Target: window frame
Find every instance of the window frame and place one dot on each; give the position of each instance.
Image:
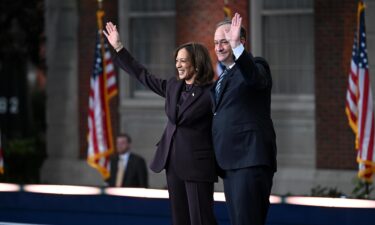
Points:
(127, 86)
(257, 14)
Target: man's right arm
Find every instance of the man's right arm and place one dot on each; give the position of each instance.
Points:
(256, 73)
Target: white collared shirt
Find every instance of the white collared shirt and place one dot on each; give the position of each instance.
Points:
(125, 158)
(237, 51)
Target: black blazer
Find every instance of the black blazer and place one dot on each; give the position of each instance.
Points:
(188, 130)
(243, 132)
(135, 172)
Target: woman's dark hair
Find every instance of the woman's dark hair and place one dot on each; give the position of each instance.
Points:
(200, 60)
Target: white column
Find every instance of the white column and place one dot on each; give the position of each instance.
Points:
(63, 165)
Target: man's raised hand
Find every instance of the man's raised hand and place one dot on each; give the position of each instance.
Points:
(233, 34)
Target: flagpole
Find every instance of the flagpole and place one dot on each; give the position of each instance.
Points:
(100, 4)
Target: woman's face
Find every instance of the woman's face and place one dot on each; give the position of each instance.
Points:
(184, 66)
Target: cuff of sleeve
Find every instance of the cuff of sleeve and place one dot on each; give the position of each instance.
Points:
(237, 51)
(119, 47)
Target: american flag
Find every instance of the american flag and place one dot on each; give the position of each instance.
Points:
(1, 156)
(102, 89)
(359, 104)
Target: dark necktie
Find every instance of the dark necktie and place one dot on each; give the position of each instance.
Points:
(219, 82)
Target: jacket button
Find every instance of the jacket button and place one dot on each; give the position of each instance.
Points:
(215, 114)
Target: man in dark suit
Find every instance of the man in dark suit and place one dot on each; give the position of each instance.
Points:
(243, 134)
(127, 169)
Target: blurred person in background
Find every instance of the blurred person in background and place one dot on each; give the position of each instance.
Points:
(127, 168)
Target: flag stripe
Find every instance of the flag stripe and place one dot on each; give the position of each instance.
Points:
(363, 111)
(352, 102)
(352, 116)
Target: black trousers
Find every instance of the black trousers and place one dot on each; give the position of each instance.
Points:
(192, 202)
(247, 194)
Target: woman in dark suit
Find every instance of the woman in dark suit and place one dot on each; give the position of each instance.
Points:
(185, 150)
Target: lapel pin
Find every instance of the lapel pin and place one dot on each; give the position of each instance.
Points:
(192, 94)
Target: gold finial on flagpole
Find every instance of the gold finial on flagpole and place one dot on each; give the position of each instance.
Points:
(227, 10)
(100, 14)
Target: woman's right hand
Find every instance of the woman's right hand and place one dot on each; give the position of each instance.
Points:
(113, 36)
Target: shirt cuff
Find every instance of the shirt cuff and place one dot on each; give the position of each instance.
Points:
(237, 51)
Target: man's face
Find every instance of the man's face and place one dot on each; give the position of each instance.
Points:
(223, 49)
(122, 145)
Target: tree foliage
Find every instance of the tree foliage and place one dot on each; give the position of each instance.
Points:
(21, 30)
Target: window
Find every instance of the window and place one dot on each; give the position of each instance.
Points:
(149, 27)
(150, 33)
(287, 42)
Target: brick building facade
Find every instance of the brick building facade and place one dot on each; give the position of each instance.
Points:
(335, 23)
(315, 144)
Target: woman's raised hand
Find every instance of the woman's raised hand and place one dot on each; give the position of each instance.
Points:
(113, 36)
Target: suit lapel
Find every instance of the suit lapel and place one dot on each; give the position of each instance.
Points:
(175, 94)
(128, 168)
(224, 84)
(195, 93)
(212, 94)
(114, 168)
